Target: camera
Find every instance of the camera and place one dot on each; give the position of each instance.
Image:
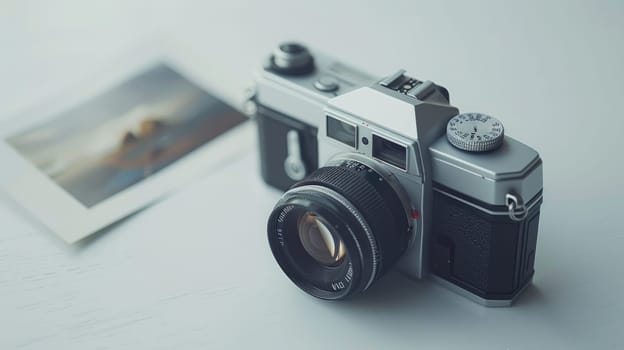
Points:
(380, 173)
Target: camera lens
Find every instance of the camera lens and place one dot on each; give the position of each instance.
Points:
(337, 231)
(318, 240)
(292, 59)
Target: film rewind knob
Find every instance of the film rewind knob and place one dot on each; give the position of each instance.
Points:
(293, 164)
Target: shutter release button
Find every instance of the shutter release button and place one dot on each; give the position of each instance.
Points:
(326, 84)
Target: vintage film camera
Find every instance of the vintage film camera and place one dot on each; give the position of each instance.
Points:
(404, 178)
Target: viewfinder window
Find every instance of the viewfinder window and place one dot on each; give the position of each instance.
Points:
(390, 152)
(341, 131)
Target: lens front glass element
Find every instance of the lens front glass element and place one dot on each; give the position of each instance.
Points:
(319, 241)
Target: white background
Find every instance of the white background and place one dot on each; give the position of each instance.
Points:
(194, 271)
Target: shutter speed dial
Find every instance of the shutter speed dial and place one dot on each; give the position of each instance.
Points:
(475, 132)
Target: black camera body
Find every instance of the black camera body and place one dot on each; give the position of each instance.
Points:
(386, 172)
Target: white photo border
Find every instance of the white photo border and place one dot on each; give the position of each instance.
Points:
(65, 215)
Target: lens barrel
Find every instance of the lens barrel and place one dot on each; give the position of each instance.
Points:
(337, 231)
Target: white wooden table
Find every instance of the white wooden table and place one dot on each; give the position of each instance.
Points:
(195, 271)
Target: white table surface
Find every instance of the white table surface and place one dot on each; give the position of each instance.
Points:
(195, 271)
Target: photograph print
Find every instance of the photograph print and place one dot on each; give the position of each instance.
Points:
(119, 138)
